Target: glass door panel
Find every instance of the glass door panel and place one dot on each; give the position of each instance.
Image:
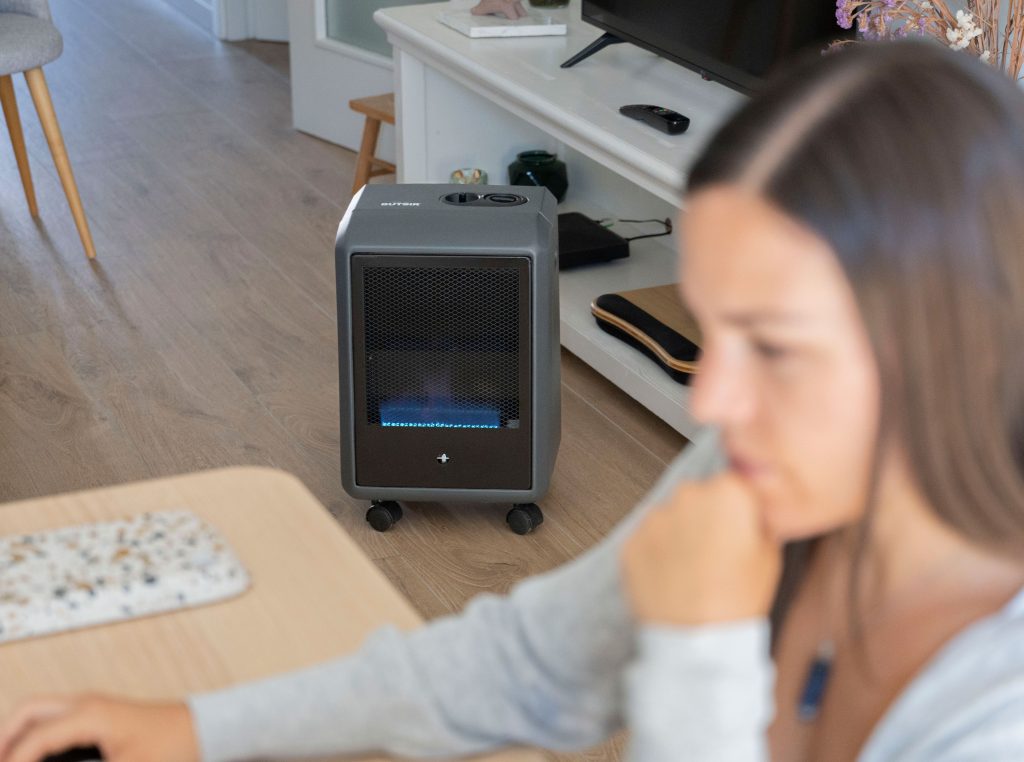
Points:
(351, 22)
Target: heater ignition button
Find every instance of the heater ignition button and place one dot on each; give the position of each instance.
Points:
(443, 458)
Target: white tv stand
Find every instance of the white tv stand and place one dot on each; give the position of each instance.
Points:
(464, 102)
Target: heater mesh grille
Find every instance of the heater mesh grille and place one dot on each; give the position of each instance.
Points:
(442, 346)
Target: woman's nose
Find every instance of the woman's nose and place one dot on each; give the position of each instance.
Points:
(720, 391)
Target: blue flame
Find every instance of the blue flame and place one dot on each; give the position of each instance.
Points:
(435, 415)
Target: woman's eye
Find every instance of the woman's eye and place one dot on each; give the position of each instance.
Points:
(769, 351)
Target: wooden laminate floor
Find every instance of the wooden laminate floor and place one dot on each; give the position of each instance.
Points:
(204, 334)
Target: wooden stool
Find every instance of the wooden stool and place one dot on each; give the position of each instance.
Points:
(378, 108)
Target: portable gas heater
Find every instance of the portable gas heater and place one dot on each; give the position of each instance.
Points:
(448, 347)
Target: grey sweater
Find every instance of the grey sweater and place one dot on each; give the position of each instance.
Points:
(560, 664)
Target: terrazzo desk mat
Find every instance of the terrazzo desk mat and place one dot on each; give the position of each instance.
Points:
(89, 574)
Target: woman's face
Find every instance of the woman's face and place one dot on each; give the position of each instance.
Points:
(786, 370)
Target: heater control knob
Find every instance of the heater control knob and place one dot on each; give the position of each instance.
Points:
(443, 458)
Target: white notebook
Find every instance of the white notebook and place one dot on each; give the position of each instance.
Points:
(534, 24)
(90, 574)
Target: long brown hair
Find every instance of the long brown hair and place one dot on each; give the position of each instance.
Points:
(908, 158)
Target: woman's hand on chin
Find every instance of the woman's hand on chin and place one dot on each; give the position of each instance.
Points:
(702, 557)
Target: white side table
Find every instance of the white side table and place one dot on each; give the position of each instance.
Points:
(477, 102)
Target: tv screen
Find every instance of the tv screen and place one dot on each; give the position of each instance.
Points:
(736, 42)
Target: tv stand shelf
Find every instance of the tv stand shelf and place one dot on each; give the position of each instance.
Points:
(464, 102)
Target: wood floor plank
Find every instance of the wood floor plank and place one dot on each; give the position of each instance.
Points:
(662, 440)
(58, 286)
(153, 27)
(264, 326)
(257, 100)
(47, 417)
(20, 309)
(273, 54)
(236, 177)
(91, 131)
(404, 575)
(101, 69)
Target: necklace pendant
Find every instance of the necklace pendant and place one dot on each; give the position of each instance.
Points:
(813, 693)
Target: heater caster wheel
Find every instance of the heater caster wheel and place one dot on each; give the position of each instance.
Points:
(524, 518)
(384, 514)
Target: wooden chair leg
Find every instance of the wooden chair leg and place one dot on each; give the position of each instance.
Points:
(47, 117)
(366, 151)
(10, 105)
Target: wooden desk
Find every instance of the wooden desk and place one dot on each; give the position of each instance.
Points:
(314, 595)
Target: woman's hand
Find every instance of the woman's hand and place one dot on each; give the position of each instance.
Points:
(124, 731)
(702, 557)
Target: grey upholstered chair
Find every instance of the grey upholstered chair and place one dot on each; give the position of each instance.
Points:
(28, 39)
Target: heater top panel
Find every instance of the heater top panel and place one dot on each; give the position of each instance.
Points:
(451, 219)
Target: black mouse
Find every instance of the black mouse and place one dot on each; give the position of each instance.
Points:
(78, 754)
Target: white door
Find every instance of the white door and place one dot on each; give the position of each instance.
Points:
(248, 19)
(269, 19)
(339, 53)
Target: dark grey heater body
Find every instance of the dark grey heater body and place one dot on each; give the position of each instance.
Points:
(448, 343)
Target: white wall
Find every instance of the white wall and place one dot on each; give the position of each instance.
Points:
(251, 19)
(326, 74)
(238, 19)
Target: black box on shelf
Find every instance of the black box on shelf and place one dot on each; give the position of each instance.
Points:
(582, 241)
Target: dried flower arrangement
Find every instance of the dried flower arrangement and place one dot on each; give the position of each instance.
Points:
(974, 27)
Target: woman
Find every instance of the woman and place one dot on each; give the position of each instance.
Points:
(853, 252)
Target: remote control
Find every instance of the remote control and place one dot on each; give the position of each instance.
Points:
(663, 119)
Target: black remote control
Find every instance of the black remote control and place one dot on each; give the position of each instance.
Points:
(663, 119)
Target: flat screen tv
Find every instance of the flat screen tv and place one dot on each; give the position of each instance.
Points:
(735, 42)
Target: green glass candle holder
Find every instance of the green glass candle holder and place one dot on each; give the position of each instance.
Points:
(539, 168)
